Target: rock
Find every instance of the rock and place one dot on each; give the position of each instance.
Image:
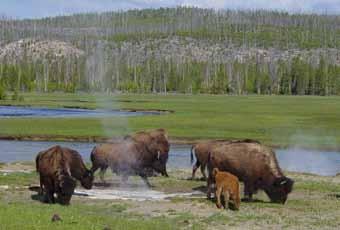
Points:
(55, 218)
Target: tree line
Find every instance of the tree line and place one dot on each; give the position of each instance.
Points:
(112, 40)
(168, 76)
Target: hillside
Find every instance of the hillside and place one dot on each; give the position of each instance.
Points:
(187, 50)
(36, 50)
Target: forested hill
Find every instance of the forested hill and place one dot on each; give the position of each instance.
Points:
(187, 50)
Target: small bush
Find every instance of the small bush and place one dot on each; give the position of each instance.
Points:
(15, 95)
(2, 93)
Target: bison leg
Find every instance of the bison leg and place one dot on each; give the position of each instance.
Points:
(218, 197)
(125, 178)
(145, 179)
(226, 196)
(203, 171)
(236, 201)
(41, 190)
(102, 174)
(248, 191)
(194, 169)
(210, 183)
(50, 196)
(48, 190)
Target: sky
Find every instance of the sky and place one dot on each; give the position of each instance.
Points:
(43, 8)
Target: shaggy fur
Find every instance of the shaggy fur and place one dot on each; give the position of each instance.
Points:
(201, 152)
(151, 148)
(227, 187)
(58, 169)
(255, 165)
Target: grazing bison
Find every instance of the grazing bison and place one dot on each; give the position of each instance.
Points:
(59, 168)
(255, 165)
(154, 143)
(128, 157)
(201, 151)
(227, 185)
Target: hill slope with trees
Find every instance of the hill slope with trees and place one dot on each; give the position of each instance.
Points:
(184, 50)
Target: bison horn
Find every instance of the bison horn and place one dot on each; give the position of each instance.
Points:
(158, 154)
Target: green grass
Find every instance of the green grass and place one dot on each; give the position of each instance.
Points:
(310, 206)
(20, 215)
(278, 120)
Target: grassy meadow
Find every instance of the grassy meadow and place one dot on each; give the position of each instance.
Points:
(309, 121)
(314, 204)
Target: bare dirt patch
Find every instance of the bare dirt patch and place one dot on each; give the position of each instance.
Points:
(17, 168)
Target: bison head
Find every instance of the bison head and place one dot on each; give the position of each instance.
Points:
(160, 167)
(279, 190)
(160, 148)
(87, 179)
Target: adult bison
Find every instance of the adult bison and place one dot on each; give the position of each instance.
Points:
(153, 143)
(59, 168)
(255, 165)
(201, 152)
(148, 138)
(130, 157)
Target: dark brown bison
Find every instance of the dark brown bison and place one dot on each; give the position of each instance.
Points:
(201, 151)
(154, 142)
(59, 168)
(128, 157)
(228, 186)
(255, 165)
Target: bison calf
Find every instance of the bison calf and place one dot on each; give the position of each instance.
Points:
(227, 185)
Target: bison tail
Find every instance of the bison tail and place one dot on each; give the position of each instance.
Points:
(192, 154)
(37, 162)
(92, 156)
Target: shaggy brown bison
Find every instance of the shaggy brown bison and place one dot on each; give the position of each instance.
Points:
(59, 168)
(227, 185)
(157, 141)
(255, 165)
(154, 143)
(201, 151)
(128, 157)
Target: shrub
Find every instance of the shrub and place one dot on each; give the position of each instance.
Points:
(2, 93)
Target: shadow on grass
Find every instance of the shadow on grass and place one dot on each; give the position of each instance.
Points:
(196, 179)
(336, 196)
(102, 184)
(247, 200)
(38, 196)
(201, 188)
